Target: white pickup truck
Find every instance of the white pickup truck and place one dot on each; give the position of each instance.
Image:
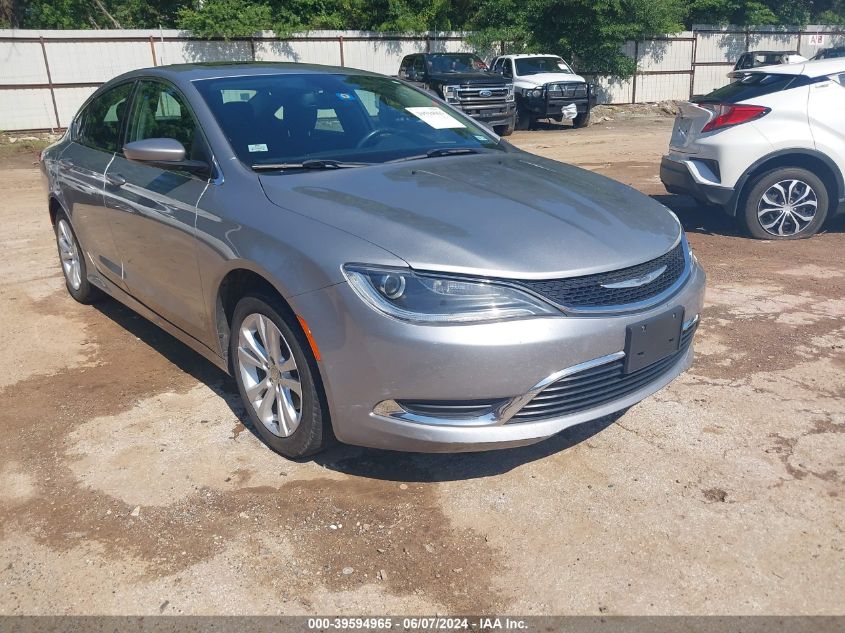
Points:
(545, 87)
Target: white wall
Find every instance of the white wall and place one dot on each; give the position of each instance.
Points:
(80, 60)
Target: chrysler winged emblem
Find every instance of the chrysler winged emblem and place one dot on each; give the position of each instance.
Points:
(636, 282)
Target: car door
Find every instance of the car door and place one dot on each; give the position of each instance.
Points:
(96, 134)
(154, 209)
(826, 114)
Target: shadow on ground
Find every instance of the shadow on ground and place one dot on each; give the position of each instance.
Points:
(712, 220)
(356, 461)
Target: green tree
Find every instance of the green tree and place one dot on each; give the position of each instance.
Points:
(226, 18)
(593, 32)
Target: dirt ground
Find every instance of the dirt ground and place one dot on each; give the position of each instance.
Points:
(129, 484)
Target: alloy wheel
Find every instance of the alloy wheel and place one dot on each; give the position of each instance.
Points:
(69, 253)
(787, 207)
(269, 375)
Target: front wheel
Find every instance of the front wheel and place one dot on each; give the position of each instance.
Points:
(523, 117)
(505, 130)
(277, 378)
(582, 119)
(787, 203)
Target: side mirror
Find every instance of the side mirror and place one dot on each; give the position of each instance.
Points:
(167, 153)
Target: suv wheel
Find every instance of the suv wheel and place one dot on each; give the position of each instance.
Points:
(72, 259)
(785, 204)
(277, 378)
(582, 119)
(523, 117)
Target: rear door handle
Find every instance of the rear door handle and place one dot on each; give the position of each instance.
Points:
(115, 180)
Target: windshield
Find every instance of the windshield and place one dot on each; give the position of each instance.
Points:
(455, 63)
(291, 118)
(536, 65)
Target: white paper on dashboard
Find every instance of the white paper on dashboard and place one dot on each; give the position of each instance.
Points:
(436, 118)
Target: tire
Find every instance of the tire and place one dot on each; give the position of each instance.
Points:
(293, 425)
(759, 210)
(523, 118)
(72, 261)
(582, 119)
(505, 130)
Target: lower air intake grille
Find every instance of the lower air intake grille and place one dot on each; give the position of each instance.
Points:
(595, 386)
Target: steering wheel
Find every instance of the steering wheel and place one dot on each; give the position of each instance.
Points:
(370, 136)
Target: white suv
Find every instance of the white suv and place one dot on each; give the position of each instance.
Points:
(769, 148)
(546, 87)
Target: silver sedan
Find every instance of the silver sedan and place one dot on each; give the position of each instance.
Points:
(367, 262)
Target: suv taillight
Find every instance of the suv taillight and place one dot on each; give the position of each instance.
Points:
(728, 114)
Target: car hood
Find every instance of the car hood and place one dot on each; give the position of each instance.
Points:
(510, 215)
(468, 78)
(541, 79)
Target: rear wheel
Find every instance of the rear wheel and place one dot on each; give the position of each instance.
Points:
(72, 259)
(787, 203)
(582, 119)
(277, 378)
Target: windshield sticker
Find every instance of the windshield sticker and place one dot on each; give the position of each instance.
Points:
(482, 138)
(436, 118)
(344, 96)
(258, 147)
(562, 65)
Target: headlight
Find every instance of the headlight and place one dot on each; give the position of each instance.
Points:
(536, 93)
(423, 298)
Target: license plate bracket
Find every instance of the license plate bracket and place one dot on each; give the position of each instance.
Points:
(652, 340)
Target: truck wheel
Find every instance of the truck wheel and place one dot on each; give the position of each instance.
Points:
(582, 119)
(787, 203)
(505, 130)
(523, 117)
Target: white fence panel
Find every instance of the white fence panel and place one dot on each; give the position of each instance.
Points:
(662, 87)
(381, 56)
(26, 109)
(192, 51)
(86, 62)
(719, 46)
(708, 78)
(665, 54)
(22, 63)
(773, 41)
(68, 102)
(816, 37)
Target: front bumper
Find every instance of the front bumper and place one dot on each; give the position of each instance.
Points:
(685, 176)
(490, 114)
(368, 358)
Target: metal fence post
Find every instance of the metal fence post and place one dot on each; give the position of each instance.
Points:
(636, 68)
(340, 43)
(153, 50)
(50, 82)
(692, 64)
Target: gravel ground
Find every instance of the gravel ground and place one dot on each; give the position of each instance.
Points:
(129, 484)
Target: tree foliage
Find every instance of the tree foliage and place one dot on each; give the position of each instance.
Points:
(591, 31)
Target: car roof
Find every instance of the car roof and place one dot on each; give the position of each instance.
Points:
(216, 70)
(520, 55)
(771, 53)
(817, 68)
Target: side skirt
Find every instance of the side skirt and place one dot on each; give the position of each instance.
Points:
(133, 304)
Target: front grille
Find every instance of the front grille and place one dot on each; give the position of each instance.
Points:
(588, 291)
(573, 90)
(596, 386)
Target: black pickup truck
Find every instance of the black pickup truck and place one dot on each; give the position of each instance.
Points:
(464, 81)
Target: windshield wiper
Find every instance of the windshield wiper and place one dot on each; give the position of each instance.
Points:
(313, 163)
(437, 152)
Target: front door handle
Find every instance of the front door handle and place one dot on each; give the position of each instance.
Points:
(115, 180)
